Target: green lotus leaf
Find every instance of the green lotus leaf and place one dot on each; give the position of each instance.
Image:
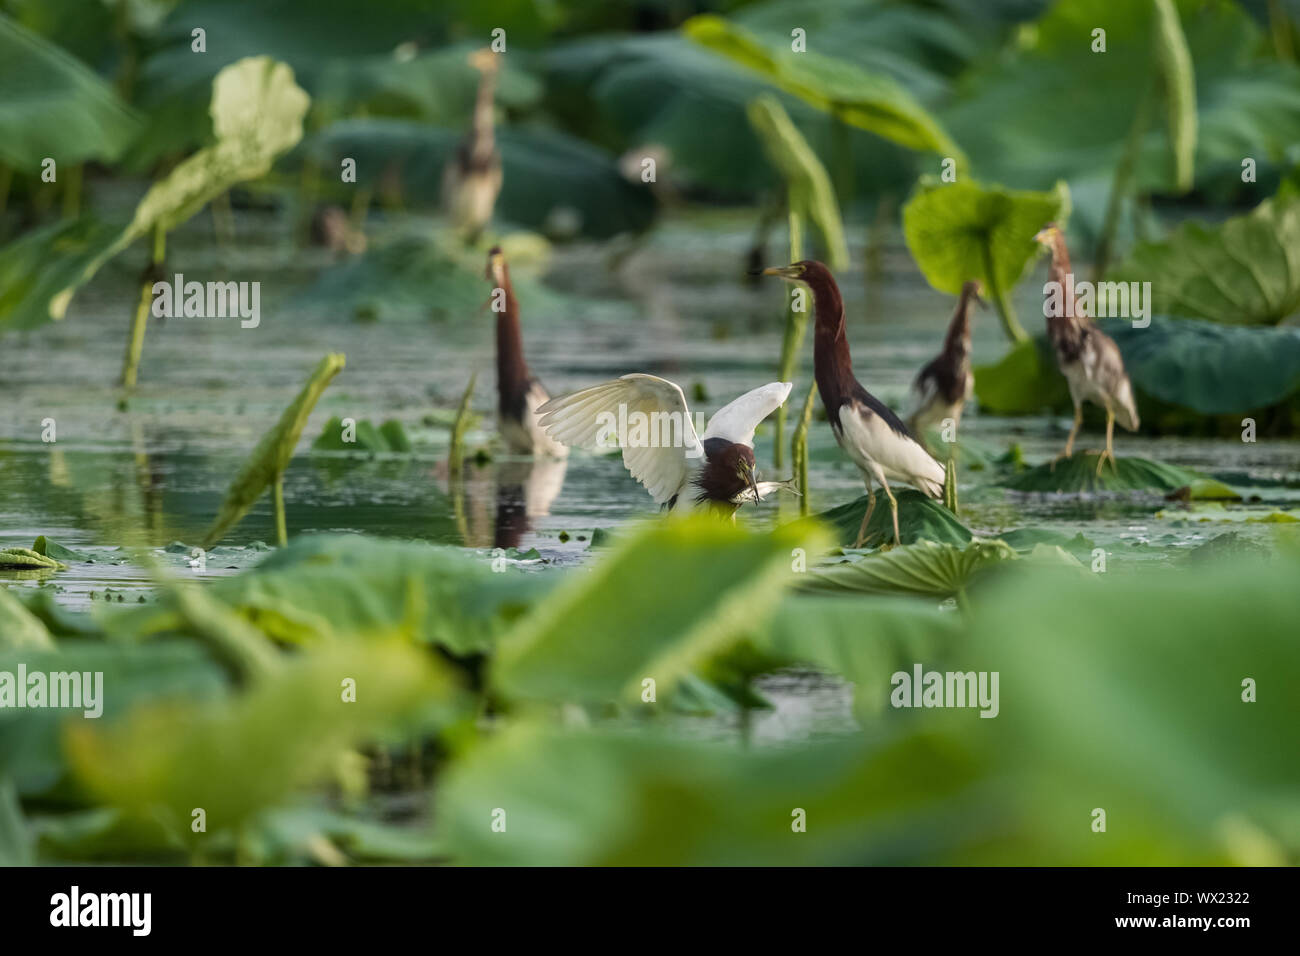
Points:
(1244, 271)
(869, 101)
(711, 581)
(1078, 474)
(919, 519)
(55, 107)
(267, 463)
(963, 230)
(926, 568)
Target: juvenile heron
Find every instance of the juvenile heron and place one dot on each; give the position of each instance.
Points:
(519, 394)
(1088, 358)
(869, 432)
(946, 382)
(471, 180)
(648, 418)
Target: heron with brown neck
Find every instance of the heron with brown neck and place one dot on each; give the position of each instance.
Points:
(1088, 358)
(868, 431)
(471, 180)
(946, 382)
(519, 393)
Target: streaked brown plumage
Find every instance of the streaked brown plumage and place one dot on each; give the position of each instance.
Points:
(471, 180)
(1088, 358)
(946, 381)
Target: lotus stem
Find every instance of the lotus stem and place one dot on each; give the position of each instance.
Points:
(72, 192)
(950, 482)
(1123, 180)
(6, 180)
(1010, 325)
(1279, 26)
(135, 343)
(795, 324)
(455, 459)
(799, 450)
(277, 501)
(842, 160)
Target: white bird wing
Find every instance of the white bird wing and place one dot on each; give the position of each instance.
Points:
(737, 420)
(582, 420)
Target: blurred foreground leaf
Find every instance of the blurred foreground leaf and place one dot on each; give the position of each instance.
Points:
(600, 799)
(19, 627)
(235, 756)
(671, 595)
(863, 639)
(324, 588)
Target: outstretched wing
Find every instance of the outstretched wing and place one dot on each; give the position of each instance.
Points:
(590, 418)
(736, 421)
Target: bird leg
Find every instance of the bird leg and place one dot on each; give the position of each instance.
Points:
(862, 529)
(1074, 432)
(1110, 445)
(893, 510)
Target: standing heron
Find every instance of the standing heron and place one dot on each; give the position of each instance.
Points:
(945, 384)
(1088, 358)
(648, 418)
(873, 437)
(519, 393)
(471, 180)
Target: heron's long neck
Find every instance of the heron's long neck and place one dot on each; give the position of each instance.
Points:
(832, 364)
(482, 138)
(512, 370)
(959, 328)
(1061, 273)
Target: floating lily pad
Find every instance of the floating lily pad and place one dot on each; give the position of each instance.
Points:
(1078, 474)
(919, 519)
(1205, 489)
(52, 549)
(388, 437)
(25, 559)
(1229, 546)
